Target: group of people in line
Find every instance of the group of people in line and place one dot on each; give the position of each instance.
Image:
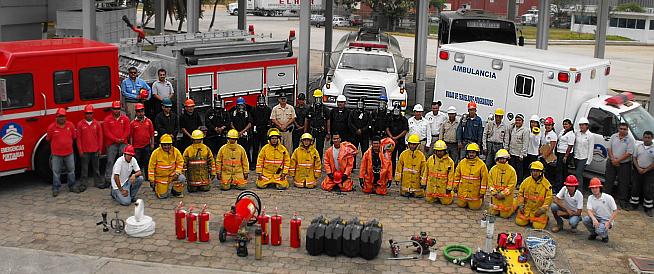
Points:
(435, 156)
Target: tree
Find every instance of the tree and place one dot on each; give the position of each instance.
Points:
(389, 10)
(629, 7)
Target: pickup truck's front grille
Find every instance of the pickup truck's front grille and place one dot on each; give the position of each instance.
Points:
(369, 93)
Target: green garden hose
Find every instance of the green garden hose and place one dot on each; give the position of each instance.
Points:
(460, 248)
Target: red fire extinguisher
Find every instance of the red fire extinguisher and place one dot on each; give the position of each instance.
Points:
(264, 220)
(180, 217)
(191, 220)
(203, 224)
(296, 222)
(276, 229)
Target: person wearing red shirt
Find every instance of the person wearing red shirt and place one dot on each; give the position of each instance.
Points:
(116, 132)
(61, 134)
(89, 146)
(142, 137)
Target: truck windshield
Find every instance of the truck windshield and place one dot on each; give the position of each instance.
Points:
(639, 121)
(373, 62)
(468, 30)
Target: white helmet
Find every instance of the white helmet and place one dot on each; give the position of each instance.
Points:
(535, 118)
(583, 120)
(341, 98)
(418, 107)
(451, 110)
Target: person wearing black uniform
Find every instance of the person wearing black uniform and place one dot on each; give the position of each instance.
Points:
(241, 121)
(188, 122)
(338, 120)
(260, 124)
(380, 119)
(397, 129)
(217, 120)
(316, 121)
(359, 122)
(300, 113)
(166, 121)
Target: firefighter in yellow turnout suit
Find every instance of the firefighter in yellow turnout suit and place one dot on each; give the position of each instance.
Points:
(534, 198)
(272, 163)
(232, 163)
(165, 169)
(471, 179)
(198, 164)
(501, 185)
(410, 166)
(439, 175)
(305, 167)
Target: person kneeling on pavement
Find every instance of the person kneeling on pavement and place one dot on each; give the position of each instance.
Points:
(339, 157)
(439, 175)
(534, 198)
(471, 179)
(568, 204)
(273, 162)
(127, 179)
(232, 164)
(165, 169)
(305, 167)
(501, 185)
(410, 166)
(198, 164)
(602, 211)
(376, 166)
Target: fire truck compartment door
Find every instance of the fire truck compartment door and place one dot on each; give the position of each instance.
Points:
(198, 82)
(280, 77)
(240, 82)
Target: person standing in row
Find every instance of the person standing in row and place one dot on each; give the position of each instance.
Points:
(162, 89)
(283, 117)
(141, 137)
(518, 145)
(316, 121)
(436, 121)
(470, 130)
(618, 164)
(166, 121)
(218, 122)
(421, 127)
(61, 135)
(260, 126)
(642, 184)
(495, 137)
(116, 131)
(300, 117)
(337, 121)
(584, 149)
(188, 122)
(564, 147)
(547, 149)
(533, 149)
(131, 91)
(448, 134)
(241, 121)
(380, 119)
(89, 146)
(359, 122)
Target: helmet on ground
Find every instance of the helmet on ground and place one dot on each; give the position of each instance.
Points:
(317, 93)
(88, 108)
(197, 134)
(166, 139)
(115, 105)
(583, 120)
(418, 107)
(595, 182)
(166, 102)
(571, 180)
(143, 94)
(549, 121)
(499, 111)
(338, 177)
(139, 106)
(413, 139)
(472, 146)
(273, 132)
(240, 101)
(189, 103)
(341, 98)
(535, 130)
(472, 105)
(129, 150)
(534, 118)
(502, 153)
(536, 165)
(306, 136)
(451, 110)
(232, 134)
(61, 112)
(440, 145)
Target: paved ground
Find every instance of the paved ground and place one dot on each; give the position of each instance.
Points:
(32, 219)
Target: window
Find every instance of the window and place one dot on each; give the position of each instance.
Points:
(622, 22)
(602, 122)
(640, 24)
(94, 83)
(614, 22)
(631, 23)
(63, 86)
(524, 85)
(20, 91)
(651, 24)
(586, 20)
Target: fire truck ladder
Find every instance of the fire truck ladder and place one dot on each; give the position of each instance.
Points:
(196, 38)
(239, 51)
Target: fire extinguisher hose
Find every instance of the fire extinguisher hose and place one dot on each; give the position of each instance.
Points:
(457, 248)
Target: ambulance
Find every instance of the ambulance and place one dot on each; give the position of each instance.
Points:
(530, 81)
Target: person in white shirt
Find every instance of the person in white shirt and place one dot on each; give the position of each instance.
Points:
(568, 204)
(549, 138)
(564, 147)
(436, 120)
(127, 178)
(535, 139)
(642, 184)
(161, 89)
(584, 149)
(421, 127)
(602, 211)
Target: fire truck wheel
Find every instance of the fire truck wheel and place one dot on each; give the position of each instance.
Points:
(222, 236)
(42, 162)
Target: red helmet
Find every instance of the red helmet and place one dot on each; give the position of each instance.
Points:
(143, 94)
(595, 182)
(139, 106)
(129, 150)
(549, 121)
(472, 105)
(189, 103)
(338, 177)
(61, 112)
(115, 105)
(571, 180)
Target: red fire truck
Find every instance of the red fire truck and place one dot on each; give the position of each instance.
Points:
(36, 78)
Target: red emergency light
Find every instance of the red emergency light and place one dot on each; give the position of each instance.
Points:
(367, 45)
(564, 77)
(444, 55)
(620, 99)
(291, 33)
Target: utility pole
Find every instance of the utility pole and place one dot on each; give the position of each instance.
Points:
(600, 32)
(510, 10)
(651, 93)
(421, 51)
(329, 33)
(542, 34)
(159, 16)
(193, 16)
(305, 38)
(88, 20)
(242, 10)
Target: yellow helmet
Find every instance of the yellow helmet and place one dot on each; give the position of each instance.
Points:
(197, 135)
(499, 111)
(536, 165)
(414, 139)
(306, 136)
(502, 153)
(273, 132)
(472, 146)
(440, 145)
(166, 139)
(232, 134)
(317, 93)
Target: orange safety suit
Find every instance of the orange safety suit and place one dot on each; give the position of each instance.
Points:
(165, 168)
(502, 179)
(439, 178)
(385, 171)
(346, 157)
(532, 196)
(470, 180)
(410, 166)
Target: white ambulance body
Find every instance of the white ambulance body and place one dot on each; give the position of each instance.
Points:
(530, 81)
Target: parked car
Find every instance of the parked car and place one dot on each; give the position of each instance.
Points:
(356, 20)
(339, 21)
(317, 20)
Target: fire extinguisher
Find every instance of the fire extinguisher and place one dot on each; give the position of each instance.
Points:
(263, 220)
(296, 222)
(276, 229)
(203, 224)
(191, 220)
(180, 217)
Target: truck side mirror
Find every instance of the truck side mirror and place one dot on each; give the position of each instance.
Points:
(405, 67)
(521, 41)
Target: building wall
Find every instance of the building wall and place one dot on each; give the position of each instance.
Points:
(645, 35)
(498, 7)
(22, 19)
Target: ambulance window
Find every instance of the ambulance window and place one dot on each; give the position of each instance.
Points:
(94, 83)
(20, 91)
(524, 85)
(602, 122)
(63, 86)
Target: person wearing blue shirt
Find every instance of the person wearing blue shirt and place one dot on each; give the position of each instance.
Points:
(470, 129)
(131, 89)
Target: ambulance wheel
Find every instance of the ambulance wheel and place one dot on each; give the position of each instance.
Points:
(42, 163)
(222, 235)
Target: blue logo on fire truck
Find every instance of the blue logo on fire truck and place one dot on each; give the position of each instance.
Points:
(11, 133)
